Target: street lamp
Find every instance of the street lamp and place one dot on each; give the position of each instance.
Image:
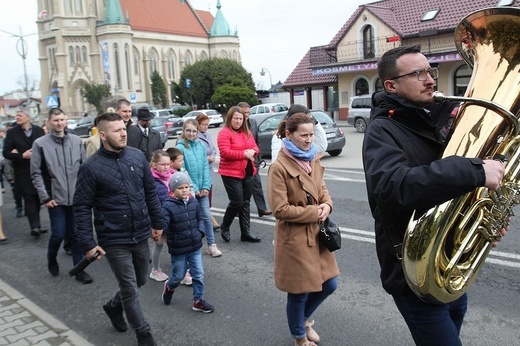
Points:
(21, 49)
(262, 73)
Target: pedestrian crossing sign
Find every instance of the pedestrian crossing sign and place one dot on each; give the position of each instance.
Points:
(52, 101)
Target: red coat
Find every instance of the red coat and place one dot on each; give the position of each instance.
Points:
(231, 146)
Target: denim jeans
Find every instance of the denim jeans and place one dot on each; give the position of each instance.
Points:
(129, 263)
(301, 306)
(205, 215)
(432, 324)
(62, 223)
(239, 193)
(180, 266)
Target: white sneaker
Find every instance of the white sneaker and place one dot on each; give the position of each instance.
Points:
(158, 275)
(213, 251)
(187, 279)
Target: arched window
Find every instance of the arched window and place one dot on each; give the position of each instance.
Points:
(171, 66)
(361, 87)
(127, 66)
(368, 42)
(84, 51)
(118, 66)
(78, 54)
(378, 85)
(461, 80)
(153, 61)
(71, 56)
(203, 56)
(187, 59)
(78, 7)
(136, 62)
(223, 54)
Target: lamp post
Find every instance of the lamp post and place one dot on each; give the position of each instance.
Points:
(262, 73)
(21, 49)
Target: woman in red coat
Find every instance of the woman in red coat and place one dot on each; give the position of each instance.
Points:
(237, 149)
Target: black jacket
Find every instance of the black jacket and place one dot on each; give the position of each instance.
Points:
(119, 187)
(15, 138)
(137, 139)
(401, 155)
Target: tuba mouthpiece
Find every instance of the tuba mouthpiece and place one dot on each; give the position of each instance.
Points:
(438, 97)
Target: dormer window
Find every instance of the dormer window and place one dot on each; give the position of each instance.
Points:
(504, 2)
(430, 15)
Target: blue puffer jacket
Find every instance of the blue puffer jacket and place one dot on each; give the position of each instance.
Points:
(184, 229)
(196, 164)
(162, 190)
(119, 187)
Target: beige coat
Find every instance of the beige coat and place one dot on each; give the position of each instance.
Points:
(301, 264)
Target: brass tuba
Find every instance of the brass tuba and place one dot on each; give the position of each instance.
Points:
(444, 249)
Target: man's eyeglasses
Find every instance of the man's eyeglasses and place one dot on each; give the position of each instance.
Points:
(422, 75)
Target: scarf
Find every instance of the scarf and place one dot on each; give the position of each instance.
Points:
(302, 158)
(163, 177)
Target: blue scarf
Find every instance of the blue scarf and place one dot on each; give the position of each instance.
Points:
(298, 153)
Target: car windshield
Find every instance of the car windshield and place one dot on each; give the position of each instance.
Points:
(322, 117)
(280, 108)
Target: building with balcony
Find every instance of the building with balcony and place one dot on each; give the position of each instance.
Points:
(121, 42)
(347, 65)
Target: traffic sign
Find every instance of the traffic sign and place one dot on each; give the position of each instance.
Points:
(188, 83)
(132, 97)
(52, 101)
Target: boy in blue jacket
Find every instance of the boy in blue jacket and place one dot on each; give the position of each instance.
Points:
(184, 232)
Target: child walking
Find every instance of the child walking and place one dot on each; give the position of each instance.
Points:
(184, 232)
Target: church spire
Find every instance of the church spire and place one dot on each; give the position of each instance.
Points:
(220, 26)
(114, 13)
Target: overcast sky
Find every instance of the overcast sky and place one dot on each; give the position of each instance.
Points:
(274, 34)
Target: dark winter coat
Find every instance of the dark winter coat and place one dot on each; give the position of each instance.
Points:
(147, 145)
(183, 226)
(404, 172)
(119, 187)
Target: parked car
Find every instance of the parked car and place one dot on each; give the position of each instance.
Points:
(267, 125)
(71, 124)
(359, 112)
(172, 124)
(84, 127)
(268, 108)
(158, 125)
(160, 112)
(215, 118)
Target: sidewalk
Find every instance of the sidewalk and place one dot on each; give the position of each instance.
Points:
(24, 323)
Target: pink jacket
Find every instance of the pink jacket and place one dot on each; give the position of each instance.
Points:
(231, 146)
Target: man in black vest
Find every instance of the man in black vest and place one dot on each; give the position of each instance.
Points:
(142, 136)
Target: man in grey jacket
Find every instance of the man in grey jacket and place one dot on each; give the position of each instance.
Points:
(55, 161)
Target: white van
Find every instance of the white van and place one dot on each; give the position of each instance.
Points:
(359, 112)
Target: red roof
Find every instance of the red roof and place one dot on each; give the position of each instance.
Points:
(302, 76)
(166, 16)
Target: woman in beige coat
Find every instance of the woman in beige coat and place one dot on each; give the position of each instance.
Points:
(299, 198)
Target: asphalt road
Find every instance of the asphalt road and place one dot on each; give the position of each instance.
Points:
(249, 310)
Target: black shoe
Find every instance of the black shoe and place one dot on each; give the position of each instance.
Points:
(216, 228)
(225, 233)
(249, 238)
(42, 230)
(84, 278)
(264, 213)
(145, 339)
(35, 233)
(53, 267)
(19, 213)
(116, 317)
(3, 241)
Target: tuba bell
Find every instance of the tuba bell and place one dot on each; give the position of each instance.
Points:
(445, 248)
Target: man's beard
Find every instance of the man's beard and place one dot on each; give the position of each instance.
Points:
(115, 144)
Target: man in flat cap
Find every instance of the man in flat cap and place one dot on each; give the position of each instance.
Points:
(143, 137)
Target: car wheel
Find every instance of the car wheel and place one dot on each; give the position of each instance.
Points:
(335, 152)
(360, 125)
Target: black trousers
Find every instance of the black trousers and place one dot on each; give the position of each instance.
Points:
(239, 193)
(32, 210)
(258, 193)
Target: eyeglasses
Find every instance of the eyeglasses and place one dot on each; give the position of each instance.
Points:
(163, 164)
(191, 131)
(421, 75)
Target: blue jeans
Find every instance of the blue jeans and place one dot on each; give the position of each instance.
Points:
(62, 223)
(205, 215)
(129, 263)
(301, 306)
(432, 324)
(180, 266)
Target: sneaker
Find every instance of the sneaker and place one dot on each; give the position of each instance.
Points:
(158, 275)
(202, 306)
(213, 251)
(116, 316)
(188, 281)
(167, 294)
(145, 339)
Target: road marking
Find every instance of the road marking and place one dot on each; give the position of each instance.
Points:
(369, 237)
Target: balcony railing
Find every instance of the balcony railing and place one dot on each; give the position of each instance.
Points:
(356, 51)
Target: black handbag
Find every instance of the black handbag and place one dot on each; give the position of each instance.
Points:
(330, 235)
